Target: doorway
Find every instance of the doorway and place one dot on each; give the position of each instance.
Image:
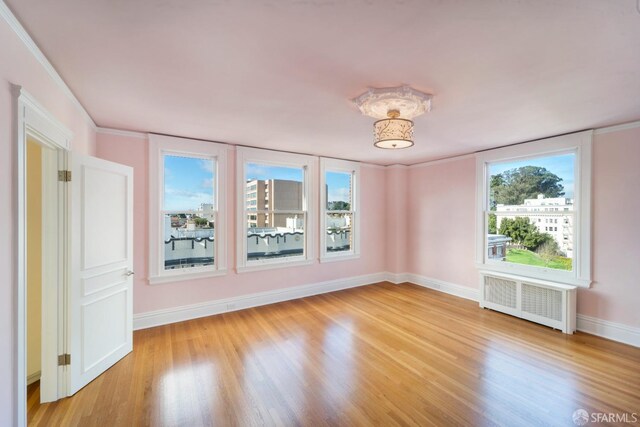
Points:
(75, 245)
(42, 143)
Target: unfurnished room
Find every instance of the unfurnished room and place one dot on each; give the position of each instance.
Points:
(320, 212)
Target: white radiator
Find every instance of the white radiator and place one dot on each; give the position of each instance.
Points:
(551, 304)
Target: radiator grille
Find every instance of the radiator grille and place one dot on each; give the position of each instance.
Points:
(541, 301)
(500, 291)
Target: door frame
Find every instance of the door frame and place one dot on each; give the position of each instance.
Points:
(33, 120)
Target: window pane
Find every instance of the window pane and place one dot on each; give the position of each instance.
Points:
(525, 198)
(338, 233)
(338, 191)
(267, 242)
(273, 188)
(188, 241)
(188, 183)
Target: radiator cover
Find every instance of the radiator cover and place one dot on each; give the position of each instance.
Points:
(548, 303)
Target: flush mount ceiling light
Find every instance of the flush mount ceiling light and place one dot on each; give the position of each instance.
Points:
(394, 107)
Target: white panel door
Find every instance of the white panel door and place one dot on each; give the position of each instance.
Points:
(100, 309)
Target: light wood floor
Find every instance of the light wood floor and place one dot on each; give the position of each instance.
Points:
(382, 354)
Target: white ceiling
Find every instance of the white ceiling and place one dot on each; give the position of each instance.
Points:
(281, 73)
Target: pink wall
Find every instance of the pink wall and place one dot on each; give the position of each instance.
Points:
(441, 210)
(441, 218)
(18, 66)
(396, 229)
(615, 293)
(134, 152)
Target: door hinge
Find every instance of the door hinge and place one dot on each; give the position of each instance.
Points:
(64, 359)
(64, 176)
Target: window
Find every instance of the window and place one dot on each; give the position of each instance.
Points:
(513, 183)
(186, 208)
(276, 195)
(339, 217)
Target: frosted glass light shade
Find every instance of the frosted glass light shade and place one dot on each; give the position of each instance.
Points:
(393, 133)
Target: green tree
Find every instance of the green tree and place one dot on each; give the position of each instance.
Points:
(339, 206)
(524, 233)
(548, 250)
(201, 222)
(513, 186)
(492, 224)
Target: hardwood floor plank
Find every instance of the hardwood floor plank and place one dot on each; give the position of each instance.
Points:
(382, 354)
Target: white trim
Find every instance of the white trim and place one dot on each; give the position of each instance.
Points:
(610, 330)
(579, 143)
(33, 378)
(119, 132)
(617, 128)
(31, 46)
(441, 161)
(159, 144)
(591, 325)
(333, 258)
(353, 168)
(309, 164)
(34, 120)
(435, 284)
(209, 308)
(370, 165)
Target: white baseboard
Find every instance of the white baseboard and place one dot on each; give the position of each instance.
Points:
(33, 378)
(610, 330)
(591, 325)
(438, 285)
(209, 308)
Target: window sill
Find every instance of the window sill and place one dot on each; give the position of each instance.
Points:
(273, 265)
(543, 274)
(158, 280)
(334, 258)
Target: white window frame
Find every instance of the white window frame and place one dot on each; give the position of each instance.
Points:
(160, 145)
(341, 166)
(309, 164)
(577, 143)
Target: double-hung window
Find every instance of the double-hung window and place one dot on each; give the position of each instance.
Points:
(524, 188)
(276, 205)
(339, 218)
(187, 207)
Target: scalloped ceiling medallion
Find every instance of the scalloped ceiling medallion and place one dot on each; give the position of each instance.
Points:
(394, 107)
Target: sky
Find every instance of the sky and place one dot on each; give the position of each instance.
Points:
(561, 165)
(339, 182)
(257, 171)
(188, 182)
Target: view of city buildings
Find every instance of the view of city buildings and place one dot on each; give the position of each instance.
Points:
(273, 204)
(531, 211)
(272, 195)
(553, 216)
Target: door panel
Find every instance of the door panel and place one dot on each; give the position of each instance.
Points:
(100, 309)
(103, 203)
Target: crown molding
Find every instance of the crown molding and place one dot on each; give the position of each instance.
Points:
(119, 132)
(370, 165)
(441, 161)
(31, 46)
(617, 128)
(397, 166)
